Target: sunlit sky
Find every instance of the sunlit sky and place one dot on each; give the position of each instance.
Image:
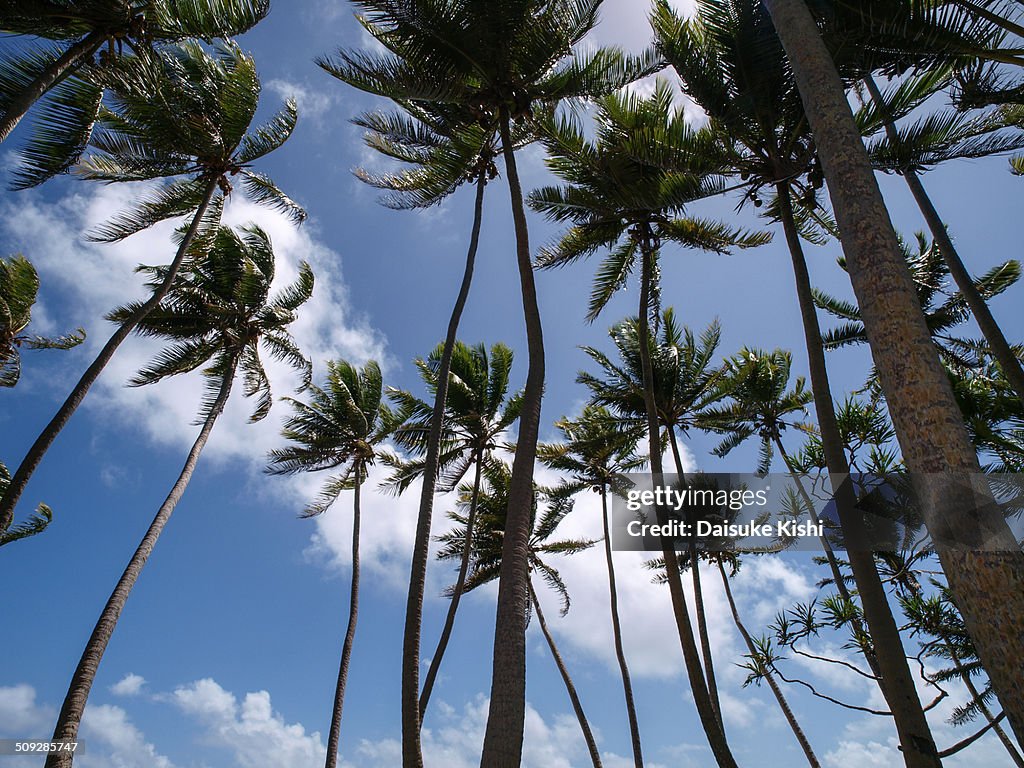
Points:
(227, 652)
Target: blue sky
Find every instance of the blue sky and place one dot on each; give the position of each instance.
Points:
(227, 652)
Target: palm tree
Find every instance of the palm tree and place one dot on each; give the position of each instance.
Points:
(19, 285)
(732, 62)
(619, 201)
(943, 311)
(184, 115)
(36, 523)
(935, 444)
(596, 447)
(684, 384)
(500, 62)
(218, 314)
(60, 63)
(339, 429)
(488, 551)
(478, 412)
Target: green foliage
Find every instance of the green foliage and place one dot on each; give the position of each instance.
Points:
(478, 412)
(36, 523)
(60, 28)
(19, 285)
(219, 312)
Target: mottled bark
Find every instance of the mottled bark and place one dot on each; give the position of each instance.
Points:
(71, 710)
(350, 633)
(889, 660)
(986, 569)
(503, 738)
(412, 752)
(620, 655)
(1008, 361)
(59, 421)
(769, 678)
(577, 707)
(460, 583)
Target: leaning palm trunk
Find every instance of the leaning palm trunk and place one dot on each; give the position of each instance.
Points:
(71, 710)
(350, 633)
(986, 569)
(460, 583)
(891, 668)
(577, 707)
(698, 596)
(52, 74)
(59, 421)
(412, 708)
(503, 738)
(990, 329)
(691, 656)
(613, 596)
(794, 724)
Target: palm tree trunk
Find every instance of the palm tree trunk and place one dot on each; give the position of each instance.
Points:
(59, 421)
(460, 583)
(698, 595)
(893, 672)
(52, 74)
(577, 707)
(794, 724)
(990, 329)
(620, 655)
(503, 738)
(71, 710)
(412, 752)
(350, 633)
(986, 570)
(691, 656)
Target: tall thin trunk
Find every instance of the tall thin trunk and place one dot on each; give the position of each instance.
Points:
(588, 735)
(691, 656)
(460, 583)
(990, 329)
(698, 593)
(503, 738)
(794, 724)
(412, 751)
(59, 421)
(60, 68)
(71, 710)
(986, 570)
(620, 655)
(895, 678)
(350, 633)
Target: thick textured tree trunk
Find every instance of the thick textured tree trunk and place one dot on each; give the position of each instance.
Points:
(59, 421)
(620, 654)
(460, 583)
(691, 656)
(986, 570)
(698, 594)
(895, 678)
(794, 724)
(577, 707)
(975, 301)
(71, 710)
(57, 70)
(503, 738)
(350, 634)
(412, 752)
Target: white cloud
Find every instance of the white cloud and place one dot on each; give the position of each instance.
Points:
(256, 736)
(129, 685)
(313, 103)
(126, 747)
(21, 716)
